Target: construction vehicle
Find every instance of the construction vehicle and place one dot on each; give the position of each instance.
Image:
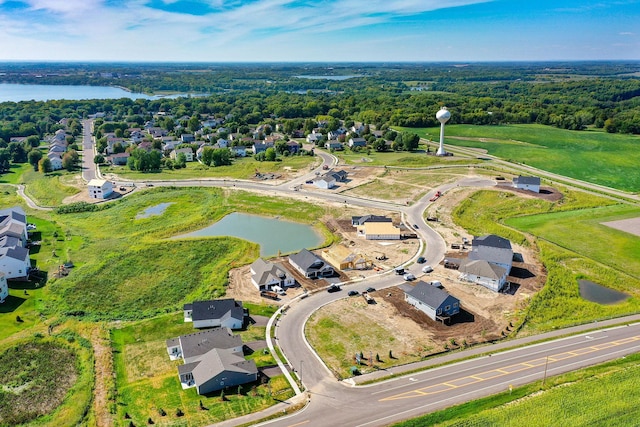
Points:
(368, 298)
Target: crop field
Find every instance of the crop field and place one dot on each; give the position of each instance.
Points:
(612, 159)
(148, 385)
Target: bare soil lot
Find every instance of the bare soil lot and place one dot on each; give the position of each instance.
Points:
(631, 225)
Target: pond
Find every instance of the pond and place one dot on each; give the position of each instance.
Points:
(272, 234)
(154, 210)
(597, 293)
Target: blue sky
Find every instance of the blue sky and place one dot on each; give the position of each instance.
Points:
(319, 30)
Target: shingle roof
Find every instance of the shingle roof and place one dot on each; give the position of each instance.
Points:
(216, 309)
(482, 268)
(527, 180)
(492, 240)
(199, 343)
(430, 295)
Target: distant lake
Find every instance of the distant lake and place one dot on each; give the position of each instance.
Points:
(316, 77)
(10, 92)
(271, 234)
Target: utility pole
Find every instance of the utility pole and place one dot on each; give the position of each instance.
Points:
(544, 379)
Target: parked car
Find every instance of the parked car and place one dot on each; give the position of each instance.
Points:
(353, 293)
(399, 271)
(309, 182)
(421, 260)
(427, 269)
(333, 288)
(409, 277)
(371, 289)
(31, 226)
(415, 226)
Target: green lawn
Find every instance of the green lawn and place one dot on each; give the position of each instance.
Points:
(400, 158)
(14, 176)
(593, 156)
(48, 189)
(242, 168)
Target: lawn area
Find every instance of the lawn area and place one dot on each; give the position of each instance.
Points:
(604, 395)
(49, 189)
(612, 159)
(14, 175)
(147, 380)
(399, 158)
(242, 168)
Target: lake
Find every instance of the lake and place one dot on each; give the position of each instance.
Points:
(597, 293)
(10, 92)
(271, 234)
(314, 77)
(154, 210)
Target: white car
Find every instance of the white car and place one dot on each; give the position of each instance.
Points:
(408, 277)
(427, 269)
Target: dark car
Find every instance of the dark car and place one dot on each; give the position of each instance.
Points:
(421, 260)
(353, 293)
(371, 289)
(333, 288)
(415, 226)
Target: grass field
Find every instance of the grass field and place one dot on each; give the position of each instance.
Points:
(14, 176)
(147, 380)
(49, 189)
(242, 168)
(612, 158)
(604, 395)
(399, 159)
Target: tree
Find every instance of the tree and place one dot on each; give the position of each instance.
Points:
(98, 159)
(34, 157)
(221, 157)
(5, 159)
(44, 165)
(33, 141)
(70, 160)
(410, 141)
(380, 145)
(18, 153)
(181, 161)
(270, 154)
(193, 124)
(281, 147)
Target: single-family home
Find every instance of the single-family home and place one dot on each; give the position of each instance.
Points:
(119, 159)
(529, 183)
(222, 143)
(494, 249)
(342, 258)
(310, 265)
(340, 176)
(55, 160)
(57, 148)
(4, 288)
(326, 181)
(313, 138)
(187, 138)
(265, 275)
(334, 145)
(357, 142)
(100, 188)
(335, 134)
(259, 147)
(187, 151)
(213, 360)
(13, 223)
(360, 220)
(433, 301)
(489, 275)
(371, 230)
(293, 147)
(227, 313)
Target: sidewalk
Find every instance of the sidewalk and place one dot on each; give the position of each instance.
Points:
(281, 408)
(488, 348)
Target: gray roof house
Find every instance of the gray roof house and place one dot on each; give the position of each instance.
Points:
(494, 249)
(226, 313)
(484, 273)
(360, 220)
(265, 275)
(433, 301)
(213, 360)
(530, 183)
(310, 265)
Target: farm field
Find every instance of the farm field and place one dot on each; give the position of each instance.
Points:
(612, 158)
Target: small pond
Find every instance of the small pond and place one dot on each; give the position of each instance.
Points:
(600, 294)
(154, 210)
(272, 234)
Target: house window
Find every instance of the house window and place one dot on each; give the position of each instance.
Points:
(439, 311)
(447, 308)
(455, 305)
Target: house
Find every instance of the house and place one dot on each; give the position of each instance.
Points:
(293, 147)
(432, 301)
(57, 148)
(4, 288)
(326, 182)
(334, 145)
(339, 176)
(119, 159)
(187, 151)
(371, 230)
(13, 223)
(313, 138)
(187, 138)
(484, 273)
(55, 160)
(239, 151)
(360, 220)
(310, 265)
(494, 249)
(213, 359)
(226, 313)
(14, 262)
(222, 143)
(357, 142)
(335, 134)
(265, 275)
(100, 189)
(259, 147)
(342, 258)
(529, 183)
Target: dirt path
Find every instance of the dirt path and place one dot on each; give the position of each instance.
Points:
(103, 365)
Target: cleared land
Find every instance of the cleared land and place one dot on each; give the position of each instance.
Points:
(631, 225)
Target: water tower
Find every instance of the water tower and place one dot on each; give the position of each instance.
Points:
(443, 117)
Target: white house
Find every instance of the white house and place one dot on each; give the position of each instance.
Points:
(265, 275)
(100, 188)
(494, 249)
(433, 301)
(4, 288)
(326, 181)
(529, 183)
(14, 262)
(13, 223)
(226, 313)
(55, 160)
(484, 273)
(371, 230)
(187, 151)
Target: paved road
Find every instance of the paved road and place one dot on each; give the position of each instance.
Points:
(88, 167)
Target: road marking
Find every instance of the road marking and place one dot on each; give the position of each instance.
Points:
(505, 370)
(299, 424)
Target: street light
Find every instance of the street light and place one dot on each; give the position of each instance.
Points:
(301, 373)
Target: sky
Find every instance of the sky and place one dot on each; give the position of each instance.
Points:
(319, 30)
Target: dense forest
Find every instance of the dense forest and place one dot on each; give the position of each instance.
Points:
(573, 95)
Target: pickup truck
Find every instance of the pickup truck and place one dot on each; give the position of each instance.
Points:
(269, 294)
(435, 196)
